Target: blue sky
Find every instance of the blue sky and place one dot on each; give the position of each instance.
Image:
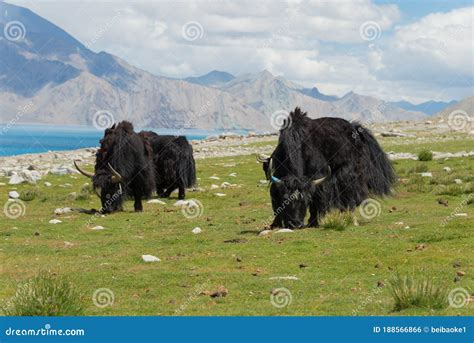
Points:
(402, 50)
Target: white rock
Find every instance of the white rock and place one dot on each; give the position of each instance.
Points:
(283, 278)
(399, 223)
(192, 203)
(457, 181)
(59, 171)
(196, 230)
(214, 178)
(220, 194)
(283, 231)
(16, 180)
(263, 182)
(98, 227)
(48, 184)
(447, 169)
(180, 203)
(427, 174)
(3, 184)
(156, 201)
(265, 232)
(55, 221)
(407, 227)
(213, 187)
(226, 185)
(460, 214)
(233, 174)
(63, 210)
(150, 258)
(13, 195)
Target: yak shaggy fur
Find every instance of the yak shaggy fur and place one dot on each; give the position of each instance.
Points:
(174, 163)
(308, 149)
(130, 155)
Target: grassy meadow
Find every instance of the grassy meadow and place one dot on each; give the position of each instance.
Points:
(339, 272)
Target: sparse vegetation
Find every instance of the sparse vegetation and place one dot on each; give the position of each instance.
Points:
(425, 155)
(337, 220)
(46, 294)
(419, 291)
(28, 194)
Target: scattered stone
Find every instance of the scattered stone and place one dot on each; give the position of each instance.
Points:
(48, 184)
(395, 134)
(460, 273)
(420, 247)
(62, 210)
(264, 232)
(226, 185)
(68, 244)
(196, 230)
(213, 186)
(284, 231)
(180, 203)
(443, 202)
(16, 180)
(150, 258)
(13, 195)
(156, 201)
(98, 227)
(263, 182)
(55, 221)
(460, 214)
(283, 278)
(214, 177)
(427, 174)
(221, 292)
(220, 194)
(233, 174)
(447, 169)
(457, 181)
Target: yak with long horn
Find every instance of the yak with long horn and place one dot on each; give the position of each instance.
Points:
(123, 168)
(321, 164)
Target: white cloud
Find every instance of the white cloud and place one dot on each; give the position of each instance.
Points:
(311, 42)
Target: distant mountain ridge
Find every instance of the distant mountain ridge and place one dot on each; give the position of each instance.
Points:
(429, 107)
(60, 81)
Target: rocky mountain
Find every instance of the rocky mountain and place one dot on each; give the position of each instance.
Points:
(429, 107)
(47, 76)
(466, 106)
(214, 78)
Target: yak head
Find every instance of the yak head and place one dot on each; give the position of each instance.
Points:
(107, 181)
(290, 194)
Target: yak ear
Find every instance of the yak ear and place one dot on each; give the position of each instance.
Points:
(275, 179)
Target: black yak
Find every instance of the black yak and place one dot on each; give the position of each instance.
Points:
(323, 164)
(124, 168)
(174, 163)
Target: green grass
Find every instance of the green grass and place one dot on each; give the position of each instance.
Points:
(425, 155)
(46, 294)
(337, 271)
(419, 291)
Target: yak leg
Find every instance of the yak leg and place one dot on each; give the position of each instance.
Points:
(313, 219)
(181, 192)
(138, 202)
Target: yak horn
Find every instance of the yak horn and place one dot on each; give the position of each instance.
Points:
(83, 172)
(262, 158)
(318, 181)
(116, 177)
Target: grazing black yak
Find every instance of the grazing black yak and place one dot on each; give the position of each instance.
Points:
(174, 163)
(323, 164)
(123, 168)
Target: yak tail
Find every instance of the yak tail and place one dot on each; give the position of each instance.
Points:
(188, 167)
(378, 169)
